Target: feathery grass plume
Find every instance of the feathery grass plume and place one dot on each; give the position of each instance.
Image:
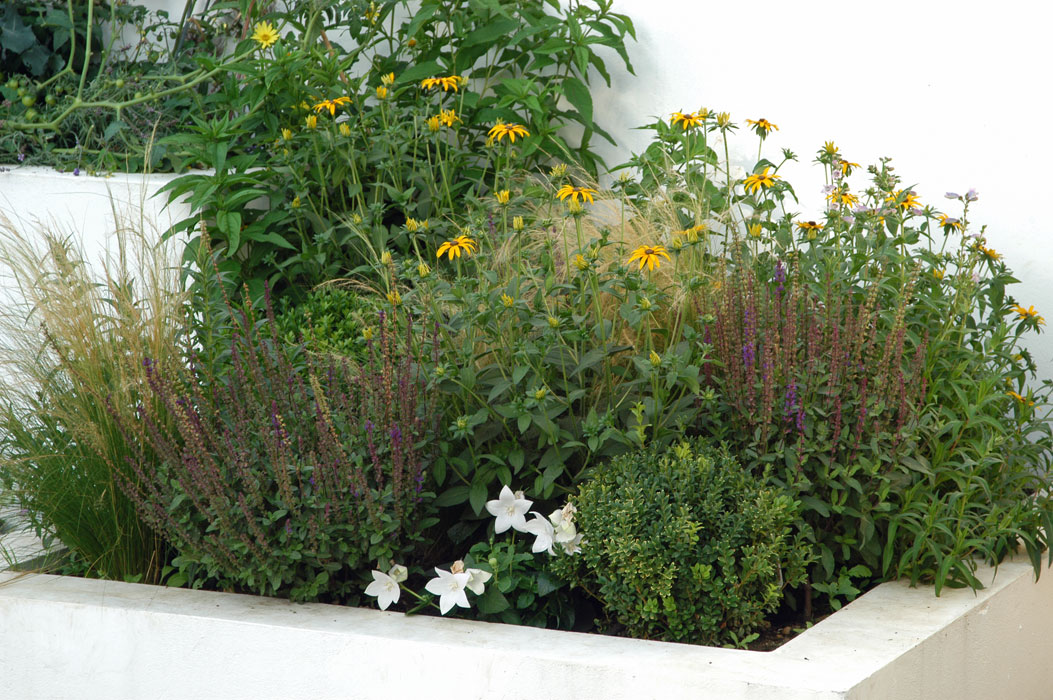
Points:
(70, 336)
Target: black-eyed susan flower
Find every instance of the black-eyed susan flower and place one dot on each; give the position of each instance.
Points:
(423, 270)
(842, 197)
(434, 123)
(558, 170)
(264, 34)
(448, 117)
(756, 181)
(1029, 314)
(908, 201)
(991, 253)
(846, 167)
(755, 230)
(394, 298)
(447, 83)
(581, 263)
(382, 92)
(688, 120)
(413, 225)
(724, 121)
(507, 301)
(576, 194)
(810, 228)
(762, 126)
(502, 196)
(311, 121)
(501, 130)
(332, 104)
(950, 224)
(460, 244)
(517, 223)
(286, 134)
(1019, 398)
(344, 129)
(650, 255)
(387, 79)
(692, 234)
(830, 149)
(939, 273)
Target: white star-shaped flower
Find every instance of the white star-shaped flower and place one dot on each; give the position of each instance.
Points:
(384, 588)
(542, 529)
(477, 579)
(450, 589)
(509, 511)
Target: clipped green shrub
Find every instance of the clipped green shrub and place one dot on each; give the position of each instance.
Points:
(330, 319)
(685, 545)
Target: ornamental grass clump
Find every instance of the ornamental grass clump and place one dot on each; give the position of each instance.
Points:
(70, 334)
(289, 474)
(685, 545)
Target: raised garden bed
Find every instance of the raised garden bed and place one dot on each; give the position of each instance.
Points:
(71, 637)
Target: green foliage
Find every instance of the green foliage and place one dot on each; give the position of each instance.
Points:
(286, 477)
(306, 190)
(685, 545)
(71, 337)
(329, 319)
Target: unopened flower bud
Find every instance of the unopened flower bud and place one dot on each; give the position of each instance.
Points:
(398, 573)
(458, 567)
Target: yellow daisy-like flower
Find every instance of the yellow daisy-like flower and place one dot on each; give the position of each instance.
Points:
(394, 298)
(939, 273)
(454, 248)
(910, 200)
(692, 234)
(517, 223)
(507, 300)
(502, 196)
(846, 167)
(286, 134)
(688, 120)
(388, 79)
(1029, 313)
(756, 230)
(367, 333)
(382, 92)
(265, 34)
(558, 170)
(1020, 398)
(650, 255)
(331, 105)
(756, 181)
(950, 224)
(810, 228)
(447, 83)
(386, 259)
(344, 129)
(762, 126)
(311, 121)
(991, 253)
(500, 130)
(580, 262)
(412, 225)
(448, 117)
(843, 197)
(583, 194)
(830, 149)
(724, 120)
(434, 123)
(423, 270)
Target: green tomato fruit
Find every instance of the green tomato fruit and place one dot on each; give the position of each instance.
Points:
(31, 115)
(138, 95)
(49, 100)
(12, 84)
(119, 83)
(22, 92)
(29, 100)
